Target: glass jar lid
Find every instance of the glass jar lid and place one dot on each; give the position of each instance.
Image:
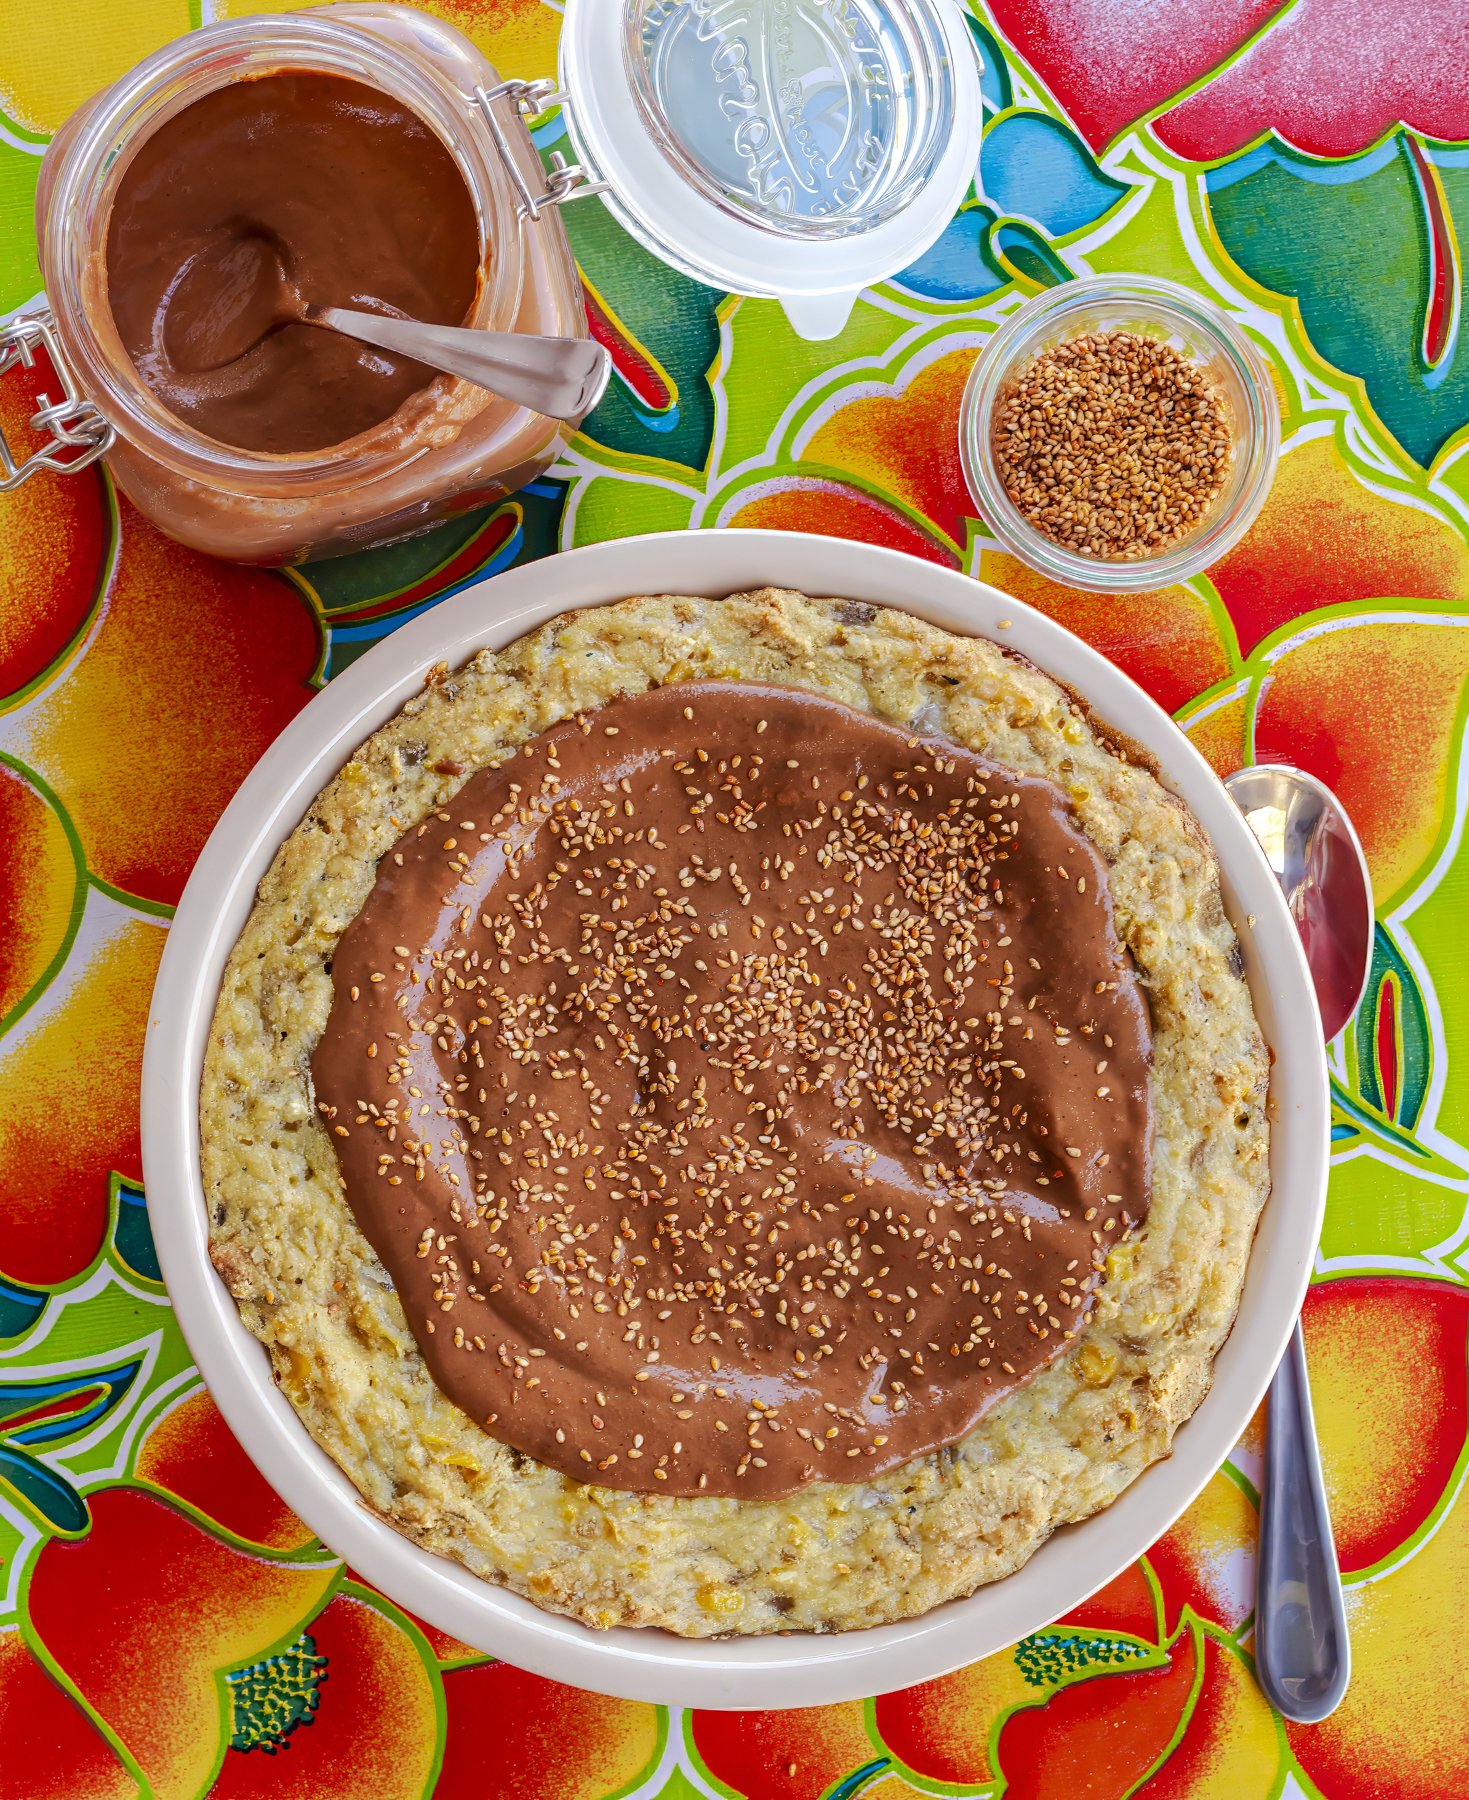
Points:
(817, 118)
(710, 121)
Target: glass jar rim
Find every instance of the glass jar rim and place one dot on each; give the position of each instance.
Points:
(78, 206)
(1150, 299)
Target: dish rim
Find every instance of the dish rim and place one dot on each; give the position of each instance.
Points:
(765, 1672)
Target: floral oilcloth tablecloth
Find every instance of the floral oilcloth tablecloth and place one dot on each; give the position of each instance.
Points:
(167, 1626)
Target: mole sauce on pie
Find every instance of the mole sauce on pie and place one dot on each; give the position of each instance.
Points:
(740, 1091)
(268, 193)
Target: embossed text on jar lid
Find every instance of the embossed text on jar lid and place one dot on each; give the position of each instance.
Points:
(813, 117)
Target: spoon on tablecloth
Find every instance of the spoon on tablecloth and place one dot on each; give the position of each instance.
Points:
(238, 290)
(1302, 1655)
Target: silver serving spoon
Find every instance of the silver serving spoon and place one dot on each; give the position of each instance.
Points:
(1303, 1658)
(562, 378)
(237, 291)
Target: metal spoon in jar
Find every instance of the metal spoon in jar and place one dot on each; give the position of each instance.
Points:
(237, 291)
(1302, 1655)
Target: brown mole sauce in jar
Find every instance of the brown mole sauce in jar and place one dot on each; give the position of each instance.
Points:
(294, 188)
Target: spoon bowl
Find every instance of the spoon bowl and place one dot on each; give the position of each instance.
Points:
(1317, 859)
(228, 297)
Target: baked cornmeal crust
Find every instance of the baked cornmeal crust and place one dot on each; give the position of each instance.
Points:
(836, 1556)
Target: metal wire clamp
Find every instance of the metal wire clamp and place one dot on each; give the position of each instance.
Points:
(79, 434)
(564, 181)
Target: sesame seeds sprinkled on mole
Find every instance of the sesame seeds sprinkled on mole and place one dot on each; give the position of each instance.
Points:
(722, 1089)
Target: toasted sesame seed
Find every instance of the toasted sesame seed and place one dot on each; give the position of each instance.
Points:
(1143, 468)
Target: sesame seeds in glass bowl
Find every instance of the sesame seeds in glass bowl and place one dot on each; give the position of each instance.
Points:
(1132, 460)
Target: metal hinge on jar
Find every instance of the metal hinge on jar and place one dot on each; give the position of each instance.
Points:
(79, 433)
(564, 181)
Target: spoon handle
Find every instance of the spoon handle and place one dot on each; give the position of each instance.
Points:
(1302, 1655)
(562, 378)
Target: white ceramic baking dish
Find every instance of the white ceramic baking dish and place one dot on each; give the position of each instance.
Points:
(654, 1665)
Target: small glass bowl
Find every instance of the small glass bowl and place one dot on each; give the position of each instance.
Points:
(1152, 308)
